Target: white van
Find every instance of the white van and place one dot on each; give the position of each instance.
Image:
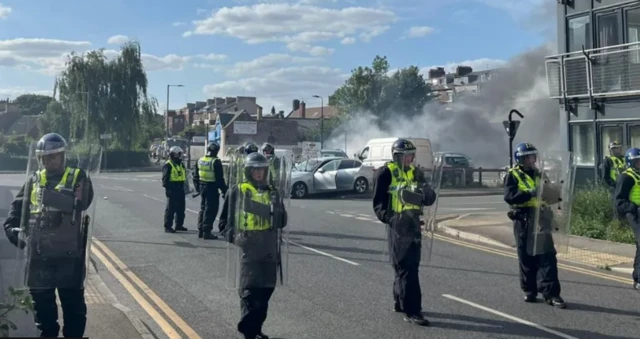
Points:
(377, 152)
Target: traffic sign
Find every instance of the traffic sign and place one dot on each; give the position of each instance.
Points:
(511, 127)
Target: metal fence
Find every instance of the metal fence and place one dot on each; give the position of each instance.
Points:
(599, 72)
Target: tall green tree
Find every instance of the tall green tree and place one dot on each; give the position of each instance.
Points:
(107, 96)
(55, 119)
(32, 104)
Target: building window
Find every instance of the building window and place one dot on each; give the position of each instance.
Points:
(607, 135)
(582, 137)
(579, 33)
(634, 136)
(633, 33)
(608, 30)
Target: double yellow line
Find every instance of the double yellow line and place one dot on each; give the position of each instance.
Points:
(124, 275)
(513, 255)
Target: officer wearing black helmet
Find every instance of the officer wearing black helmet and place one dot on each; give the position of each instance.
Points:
(403, 223)
(52, 208)
(252, 219)
(174, 178)
(274, 163)
(250, 148)
(538, 269)
(627, 199)
(613, 165)
(208, 179)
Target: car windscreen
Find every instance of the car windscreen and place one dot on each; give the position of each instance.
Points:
(457, 161)
(307, 165)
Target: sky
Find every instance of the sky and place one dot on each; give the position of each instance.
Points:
(274, 50)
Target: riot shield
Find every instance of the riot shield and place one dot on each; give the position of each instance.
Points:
(58, 214)
(258, 230)
(434, 179)
(552, 217)
(189, 189)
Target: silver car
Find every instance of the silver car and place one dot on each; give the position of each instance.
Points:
(332, 174)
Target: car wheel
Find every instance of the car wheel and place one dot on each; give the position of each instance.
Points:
(299, 190)
(361, 185)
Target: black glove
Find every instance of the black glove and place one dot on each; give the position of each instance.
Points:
(534, 192)
(13, 234)
(167, 192)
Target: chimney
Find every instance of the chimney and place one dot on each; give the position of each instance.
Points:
(218, 101)
(296, 105)
(463, 70)
(229, 100)
(436, 72)
(303, 108)
(259, 117)
(210, 101)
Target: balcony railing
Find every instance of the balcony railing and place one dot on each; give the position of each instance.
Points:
(600, 72)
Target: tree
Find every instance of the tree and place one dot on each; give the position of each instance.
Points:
(32, 104)
(55, 119)
(107, 97)
(371, 89)
(273, 110)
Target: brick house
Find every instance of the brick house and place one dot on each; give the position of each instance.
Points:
(308, 118)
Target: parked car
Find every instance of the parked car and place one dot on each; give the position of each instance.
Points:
(456, 161)
(332, 174)
(337, 153)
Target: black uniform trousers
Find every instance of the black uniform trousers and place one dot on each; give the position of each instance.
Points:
(635, 226)
(405, 259)
(176, 205)
(209, 205)
(539, 273)
(74, 312)
(254, 305)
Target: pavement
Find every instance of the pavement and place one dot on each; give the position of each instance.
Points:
(339, 283)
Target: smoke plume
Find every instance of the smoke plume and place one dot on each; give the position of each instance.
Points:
(473, 124)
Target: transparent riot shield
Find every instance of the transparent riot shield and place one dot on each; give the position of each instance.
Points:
(189, 190)
(552, 217)
(258, 230)
(434, 179)
(58, 214)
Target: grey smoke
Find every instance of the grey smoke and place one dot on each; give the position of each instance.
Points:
(473, 125)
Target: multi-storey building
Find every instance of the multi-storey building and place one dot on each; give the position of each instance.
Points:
(596, 78)
(449, 87)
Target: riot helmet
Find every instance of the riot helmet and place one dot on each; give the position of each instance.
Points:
(213, 148)
(615, 148)
(50, 151)
(268, 150)
(175, 153)
(256, 168)
(250, 148)
(240, 150)
(631, 158)
(526, 155)
(404, 152)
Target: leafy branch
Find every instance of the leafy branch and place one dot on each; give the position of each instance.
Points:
(19, 300)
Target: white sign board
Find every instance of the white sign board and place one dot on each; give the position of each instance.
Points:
(198, 139)
(310, 149)
(245, 127)
(105, 136)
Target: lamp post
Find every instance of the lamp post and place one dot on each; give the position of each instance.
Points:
(321, 120)
(166, 115)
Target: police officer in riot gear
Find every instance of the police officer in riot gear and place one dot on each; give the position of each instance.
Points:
(613, 165)
(208, 179)
(274, 163)
(257, 236)
(627, 199)
(403, 223)
(538, 273)
(174, 178)
(48, 270)
(250, 148)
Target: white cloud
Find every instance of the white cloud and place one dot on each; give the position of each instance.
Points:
(4, 11)
(48, 56)
(419, 31)
(301, 27)
(348, 41)
(477, 65)
(267, 63)
(279, 87)
(14, 92)
(178, 23)
(117, 40)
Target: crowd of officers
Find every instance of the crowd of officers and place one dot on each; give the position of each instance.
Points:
(401, 193)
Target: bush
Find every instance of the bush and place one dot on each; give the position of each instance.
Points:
(592, 216)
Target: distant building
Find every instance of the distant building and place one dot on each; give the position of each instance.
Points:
(12, 122)
(309, 118)
(205, 112)
(449, 87)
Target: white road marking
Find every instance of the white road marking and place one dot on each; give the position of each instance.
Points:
(324, 253)
(330, 212)
(153, 198)
(347, 215)
(510, 317)
(465, 209)
(123, 189)
(364, 219)
(192, 211)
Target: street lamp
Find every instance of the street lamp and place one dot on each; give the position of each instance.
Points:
(166, 115)
(321, 120)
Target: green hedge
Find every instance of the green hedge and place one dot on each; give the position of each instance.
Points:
(593, 216)
(116, 159)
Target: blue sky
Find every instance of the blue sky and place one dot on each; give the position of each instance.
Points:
(274, 50)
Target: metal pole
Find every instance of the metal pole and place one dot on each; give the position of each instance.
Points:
(321, 123)
(345, 141)
(87, 136)
(166, 114)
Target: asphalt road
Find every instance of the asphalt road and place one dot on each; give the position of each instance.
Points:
(339, 284)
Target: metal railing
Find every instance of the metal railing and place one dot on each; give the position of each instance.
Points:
(599, 72)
